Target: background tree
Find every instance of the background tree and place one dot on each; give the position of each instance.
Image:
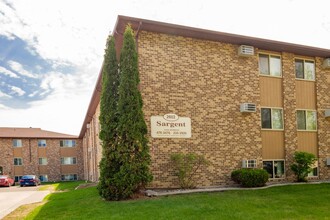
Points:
(108, 120)
(133, 150)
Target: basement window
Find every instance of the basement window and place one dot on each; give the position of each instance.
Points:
(274, 168)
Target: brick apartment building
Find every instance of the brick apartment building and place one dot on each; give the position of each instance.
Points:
(237, 100)
(51, 156)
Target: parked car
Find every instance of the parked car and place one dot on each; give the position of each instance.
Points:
(6, 181)
(29, 180)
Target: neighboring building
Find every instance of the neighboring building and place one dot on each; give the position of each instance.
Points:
(49, 155)
(206, 77)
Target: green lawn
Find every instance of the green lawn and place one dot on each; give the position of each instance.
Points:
(307, 201)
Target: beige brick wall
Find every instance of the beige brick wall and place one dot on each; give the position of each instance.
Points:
(30, 156)
(205, 81)
(323, 102)
(289, 110)
(92, 149)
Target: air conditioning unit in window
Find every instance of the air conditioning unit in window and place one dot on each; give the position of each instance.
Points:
(326, 63)
(328, 161)
(249, 163)
(245, 50)
(248, 107)
(327, 113)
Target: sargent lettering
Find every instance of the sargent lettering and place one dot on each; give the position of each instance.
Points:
(171, 124)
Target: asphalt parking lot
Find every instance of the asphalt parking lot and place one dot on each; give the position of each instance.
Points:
(13, 197)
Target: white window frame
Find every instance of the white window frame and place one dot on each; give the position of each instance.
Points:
(18, 178)
(304, 60)
(269, 71)
(68, 143)
(306, 110)
(271, 114)
(314, 166)
(18, 159)
(41, 144)
(72, 160)
(16, 141)
(44, 176)
(43, 160)
(273, 168)
(74, 175)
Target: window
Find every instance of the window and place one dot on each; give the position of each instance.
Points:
(43, 178)
(17, 178)
(275, 168)
(314, 171)
(270, 65)
(17, 143)
(43, 161)
(18, 161)
(67, 143)
(69, 177)
(68, 160)
(306, 120)
(272, 118)
(305, 69)
(42, 143)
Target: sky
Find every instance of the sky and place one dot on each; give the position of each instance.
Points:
(51, 51)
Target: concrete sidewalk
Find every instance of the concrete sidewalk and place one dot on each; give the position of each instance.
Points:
(9, 201)
(164, 192)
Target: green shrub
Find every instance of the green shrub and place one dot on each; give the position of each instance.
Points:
(250, 177)
(186, 166)
(302, 165)
(235, 176)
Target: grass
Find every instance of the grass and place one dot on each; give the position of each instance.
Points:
(307, 201)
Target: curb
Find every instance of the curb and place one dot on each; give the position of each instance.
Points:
(153, 193)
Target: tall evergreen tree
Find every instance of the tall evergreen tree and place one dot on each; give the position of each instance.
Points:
(108, 120)
(124, 167)
(132, 130)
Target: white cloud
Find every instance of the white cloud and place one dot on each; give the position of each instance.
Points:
(4, 95)
(17, 90)
(33, 94)
(72, 34)
(8, 72)
(20, 70)
(3, 107)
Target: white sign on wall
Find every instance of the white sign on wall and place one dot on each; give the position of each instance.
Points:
(170, 126)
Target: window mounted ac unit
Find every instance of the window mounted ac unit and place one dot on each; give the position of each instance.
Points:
(249, 163)
(245, 50)
(327, 113)
(248, 107)
(326, 63)
(328, 161)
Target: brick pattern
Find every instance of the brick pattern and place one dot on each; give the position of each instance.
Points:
(205, 81)
(323, 102)
(30, 157)
(92, 149)
(289, 110)
(7, 156)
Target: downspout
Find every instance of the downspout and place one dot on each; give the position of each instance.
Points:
(30, 150)
(137, 35)
(95, 151)
(86, 144)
